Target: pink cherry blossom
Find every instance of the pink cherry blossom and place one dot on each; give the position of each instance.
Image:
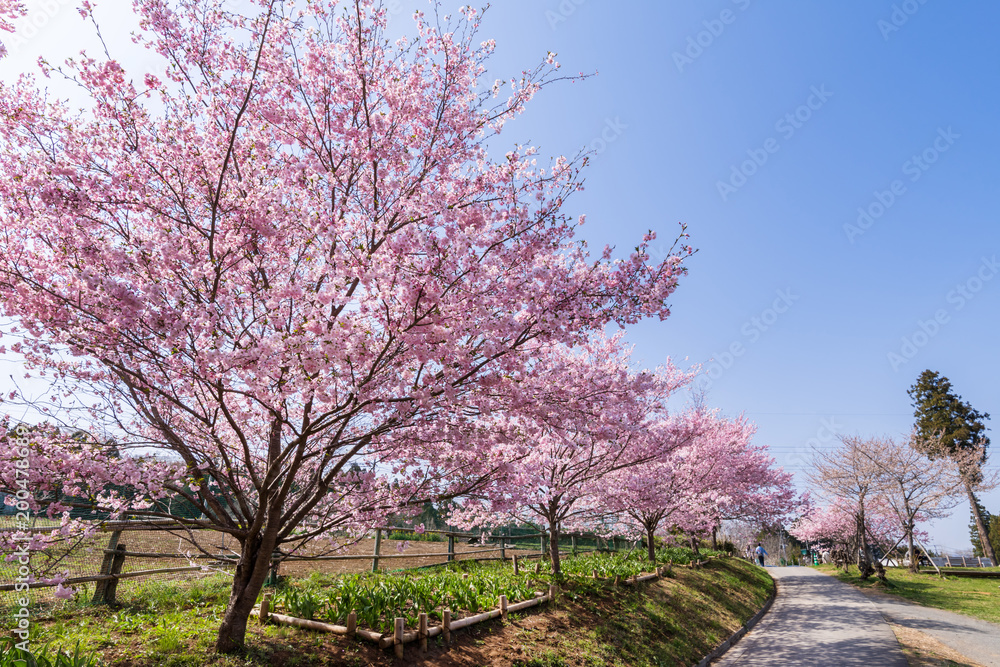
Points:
(281, 283)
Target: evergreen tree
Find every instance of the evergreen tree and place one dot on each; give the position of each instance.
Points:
(977, 542)
(992, 522)
(995, 534)
(949, 427)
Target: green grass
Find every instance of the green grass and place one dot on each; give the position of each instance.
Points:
(377, 599)
(979, 598)
(401, 535)
(46, 656)
(666, 622)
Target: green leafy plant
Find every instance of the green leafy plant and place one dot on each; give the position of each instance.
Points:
(47, 656)
(300, 602)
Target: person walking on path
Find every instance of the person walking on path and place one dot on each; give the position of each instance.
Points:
(760, 554)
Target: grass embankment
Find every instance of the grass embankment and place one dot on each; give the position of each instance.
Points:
(979, 598)
(672, 621)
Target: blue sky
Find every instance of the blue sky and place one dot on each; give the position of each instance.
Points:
(896, 117)
(893, 110)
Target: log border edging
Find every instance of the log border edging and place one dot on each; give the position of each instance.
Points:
(721, 649)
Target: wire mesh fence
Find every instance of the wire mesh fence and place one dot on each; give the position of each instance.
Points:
(151, 556)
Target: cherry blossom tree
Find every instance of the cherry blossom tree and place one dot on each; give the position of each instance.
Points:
(850, 474)
(752, 488)
(916, 487)
(833, 525)
(708, 471)
(585, 417)
(286, 263)
(9, 9)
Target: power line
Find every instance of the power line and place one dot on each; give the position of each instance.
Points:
(833, 414)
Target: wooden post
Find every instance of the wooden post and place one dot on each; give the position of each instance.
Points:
(272, 575)
(352, 624)
(553, 592)
(517, 570)
(538, 566)
(503, 549)
(573, 538)
(618, 580)
(541, 544)
(265, 608)
(116, 568)
(378, 548)
(106, 567)
(446, 625)
(397, 636)
(503, 607)
(595, 574)
(451, 547)
(422, 631)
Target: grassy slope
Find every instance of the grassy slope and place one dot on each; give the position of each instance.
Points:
(979, 598)
(668, 622)
(672, 622)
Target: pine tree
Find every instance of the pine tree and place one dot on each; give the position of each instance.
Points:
(947, 426)
(989, 520)
(994, 533)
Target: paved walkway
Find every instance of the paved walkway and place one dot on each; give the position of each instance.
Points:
(817, 620)
(977, 640)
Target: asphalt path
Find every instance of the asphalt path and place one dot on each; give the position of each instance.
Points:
(977, 640)
(817, 620)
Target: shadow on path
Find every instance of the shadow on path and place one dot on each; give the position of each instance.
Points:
(817, 620)
(978, 640)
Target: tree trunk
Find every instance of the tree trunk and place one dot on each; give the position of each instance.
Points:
(914, 559)
(554, 548)
(715, 542)
(651, 545)
(694, 544)
(984, 536)
(865, 568)
(251, 571)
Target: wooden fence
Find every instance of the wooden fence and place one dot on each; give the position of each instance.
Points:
(114, 556)
(400, 636)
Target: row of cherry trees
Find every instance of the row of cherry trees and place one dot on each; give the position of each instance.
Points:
(277, 280)
(879, 490)
(606, 455)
